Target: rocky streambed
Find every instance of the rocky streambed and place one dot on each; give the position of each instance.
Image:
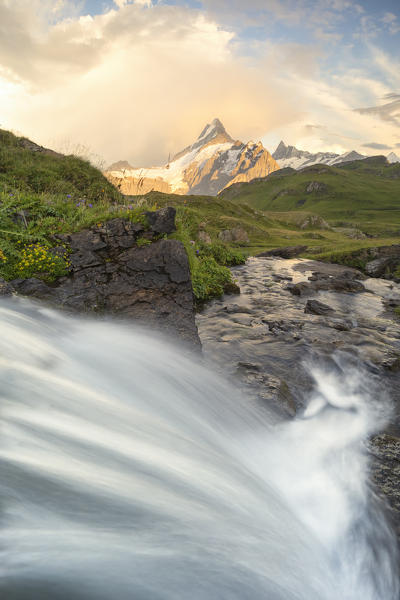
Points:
(291, 313)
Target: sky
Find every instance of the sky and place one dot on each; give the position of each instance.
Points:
(137, 80)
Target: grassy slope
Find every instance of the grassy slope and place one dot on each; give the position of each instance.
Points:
(362, 195)
(43, 193)
(266, 229)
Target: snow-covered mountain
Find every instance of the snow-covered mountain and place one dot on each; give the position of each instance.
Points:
(393, 158)
(210, 164)
(289, 156)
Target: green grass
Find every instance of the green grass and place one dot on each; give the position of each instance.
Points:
(30, 222)
(39, 171)
(361, 195)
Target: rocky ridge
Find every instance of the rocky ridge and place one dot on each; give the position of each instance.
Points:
(292, 157)
(213, 162)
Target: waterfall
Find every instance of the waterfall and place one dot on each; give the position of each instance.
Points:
(128, 470)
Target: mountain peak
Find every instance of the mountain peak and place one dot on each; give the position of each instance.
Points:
(392, 157)
(212, 131)
(281, 151)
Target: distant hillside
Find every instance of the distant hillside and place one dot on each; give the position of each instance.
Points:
(363, 193)
(208, 165)
(28, 167)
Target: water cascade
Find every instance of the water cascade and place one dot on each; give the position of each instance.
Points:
(129, 470)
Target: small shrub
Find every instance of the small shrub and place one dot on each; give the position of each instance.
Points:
(209, 279)
(143, 242)
(223, 255)
(39, 260)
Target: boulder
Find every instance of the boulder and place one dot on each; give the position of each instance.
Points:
(6, 289)
(344, 282)
(314, 307)
(163, 220)
(316, 186)
(377, 267)
(314, 221)
(231, 288)
(237, 234)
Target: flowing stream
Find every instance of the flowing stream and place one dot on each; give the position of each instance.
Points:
(130, 471)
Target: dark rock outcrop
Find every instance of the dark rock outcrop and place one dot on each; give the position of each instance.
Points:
(286, 252)
(163, 220)
(382, 261)
(379, 266)
(385, 454)
(343, 281)
(112, 272)
(5, 288)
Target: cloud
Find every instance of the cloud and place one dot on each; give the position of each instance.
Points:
(392, 23)
(139, 82)
(134, 83)
(390, 111)
(376, 146)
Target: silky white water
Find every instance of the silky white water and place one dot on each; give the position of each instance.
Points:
(130, 471)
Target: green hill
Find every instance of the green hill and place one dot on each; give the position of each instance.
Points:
(363, 195)
(28, 167)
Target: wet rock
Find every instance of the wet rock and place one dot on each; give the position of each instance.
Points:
(286, 252)
(6, 289)
(236, 308)
(385, 454)
(247, 366)
(377, 267)
(280, 277)
(345, 283)
(302, 288)
(381, 261)
(277, 391)
(340, 285)
(340, 325)
(231, 288)
(33, 287)
(314, 307)
(163, 220)
(279, 326)
(391, 362)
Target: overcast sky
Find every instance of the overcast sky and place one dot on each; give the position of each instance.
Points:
(138, 80)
